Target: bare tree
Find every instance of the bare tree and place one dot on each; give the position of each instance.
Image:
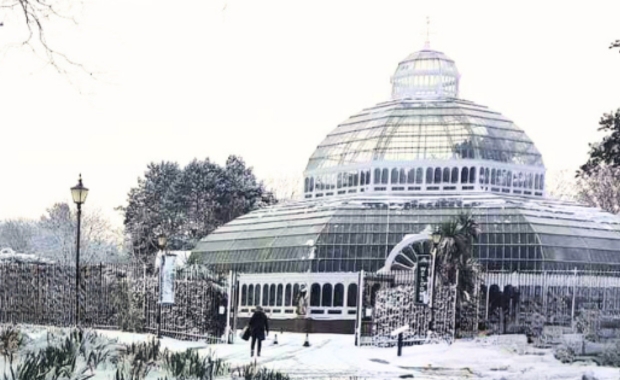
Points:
(561, 184)
(17, 234)
(601, 188)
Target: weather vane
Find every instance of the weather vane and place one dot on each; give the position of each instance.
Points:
(427, 33)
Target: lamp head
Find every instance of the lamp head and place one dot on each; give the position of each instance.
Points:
(79, 192)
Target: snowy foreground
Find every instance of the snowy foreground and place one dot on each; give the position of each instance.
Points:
(336, 357)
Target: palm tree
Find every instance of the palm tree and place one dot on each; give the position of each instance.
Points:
(455, 256)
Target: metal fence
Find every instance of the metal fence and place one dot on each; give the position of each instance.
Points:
(115, 296)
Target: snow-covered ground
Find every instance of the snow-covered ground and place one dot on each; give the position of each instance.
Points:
(336, 357)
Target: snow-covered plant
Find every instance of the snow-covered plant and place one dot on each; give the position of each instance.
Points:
(588, 323)
(137, 359)
(189, 365)
(611, 356)
(564, 354)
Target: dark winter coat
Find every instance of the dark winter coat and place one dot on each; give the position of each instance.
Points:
(259, 326)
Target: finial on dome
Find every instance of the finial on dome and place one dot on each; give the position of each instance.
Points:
(427, 41)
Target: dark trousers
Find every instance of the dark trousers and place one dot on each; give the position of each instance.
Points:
(255, 340)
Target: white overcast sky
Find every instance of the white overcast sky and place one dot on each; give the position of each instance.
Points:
(267, 80)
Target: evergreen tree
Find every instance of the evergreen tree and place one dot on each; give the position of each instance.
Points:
(606, 152)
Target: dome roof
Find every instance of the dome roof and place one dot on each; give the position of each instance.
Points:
(426, 74)
(414, 130)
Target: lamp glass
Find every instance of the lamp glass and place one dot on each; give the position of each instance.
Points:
(79, 193)
(162, 241)
(436, 236)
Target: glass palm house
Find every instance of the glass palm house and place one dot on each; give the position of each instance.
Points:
(401, 167)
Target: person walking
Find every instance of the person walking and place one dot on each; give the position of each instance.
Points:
(259, 329)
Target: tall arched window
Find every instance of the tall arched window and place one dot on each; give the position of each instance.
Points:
(356, 179)
(481, 176)
(536, 182)
(338, 295)
(542, 182)
(394, 178)
(385, 174)
(311, 184)
(377, 179)
(352, 179)
(345, 179)
(295, 292)
(454, 176)
(272, 295)
(256, 295)
(419, 175)
(288, 296)
(437, 178)
(472, 174)
(509, 178)
(306, 184)
(315, 295)
(339, 181)
(403, 176)
(367, 177)
(464, 175)
(250, 295)
(429, 175)
(279, 295)
(503, 182)
(326, 300)
(411, 176)
(520, 183)
(446, 175)
(244, 295)
(352, 295)
(493, 177)
(363, 178)
(265, 298)
(530, 181)
(487, 177)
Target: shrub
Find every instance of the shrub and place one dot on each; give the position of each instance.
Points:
(189, 365)
(564, 354)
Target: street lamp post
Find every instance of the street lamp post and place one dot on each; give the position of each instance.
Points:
(436, 238)
(161, 240)
(79, 194)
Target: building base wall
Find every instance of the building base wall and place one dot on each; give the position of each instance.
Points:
(310, 326)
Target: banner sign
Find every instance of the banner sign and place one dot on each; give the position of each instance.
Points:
(423, 270)
(167, 279)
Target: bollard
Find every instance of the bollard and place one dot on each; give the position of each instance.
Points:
(307, 342)
(275, 339)
(400, 344)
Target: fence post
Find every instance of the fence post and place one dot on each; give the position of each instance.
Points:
(572, 312)
(358, 320)
(231, 292)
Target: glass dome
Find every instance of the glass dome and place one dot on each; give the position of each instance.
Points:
(426, 74)
(407, 130)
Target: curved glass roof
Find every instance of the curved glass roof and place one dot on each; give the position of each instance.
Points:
(408, 130)
(357, 232)
(425, 74)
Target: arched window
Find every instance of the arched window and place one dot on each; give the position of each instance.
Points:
(481, 176)
(326, 300)
(339, 181)
(250, 295)
(352, 295)
(385, 174)
(311, 184)
(345, 179)
(338, 295)
(437, 178)
(244, 295)
(530, 181)
(454, 177)
(503, 182)
(472, 174)
(377, 176)
(394, 178)
(536, 182)
(315, 295)
(354, 179)
(419, 175)
(256, 295)
(493, 177)
(367, 177)
(272, 295)
(279, 295)
(429, 175)
(403, 176)
(288, 296)
(411, 176)
(515, 179)
(486, 176)
(295, 292)
(464, 175)
(446, 175)
(509, 178)
(542, 182)
(265, 298)
(306, 184)
(362, 178)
